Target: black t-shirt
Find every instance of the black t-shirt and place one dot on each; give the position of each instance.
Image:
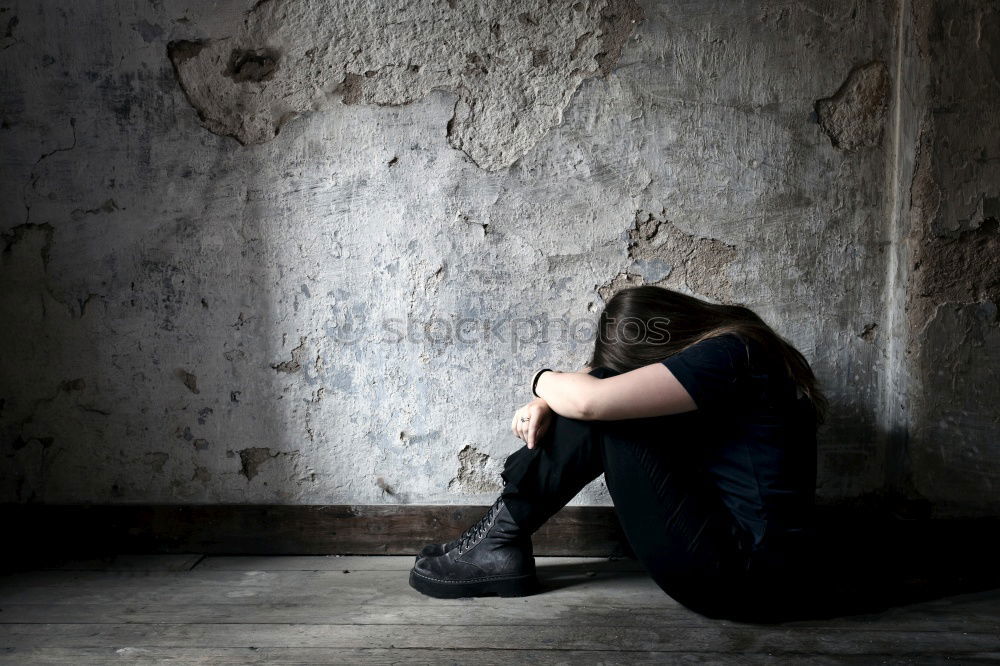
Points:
(757, 441)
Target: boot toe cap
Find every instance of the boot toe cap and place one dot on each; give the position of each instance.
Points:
(431, 550)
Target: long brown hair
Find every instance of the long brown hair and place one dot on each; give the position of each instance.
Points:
(666, 322)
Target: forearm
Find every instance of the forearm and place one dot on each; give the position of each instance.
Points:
(568, 394)
(651, 390)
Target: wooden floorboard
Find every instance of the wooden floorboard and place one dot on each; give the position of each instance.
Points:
(190, 609)
(376, 563)
(534, 636)
(414, 657)
(127, 562)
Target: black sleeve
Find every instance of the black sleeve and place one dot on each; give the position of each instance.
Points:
(712, 371)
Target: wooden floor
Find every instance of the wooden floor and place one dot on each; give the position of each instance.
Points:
(292, 610)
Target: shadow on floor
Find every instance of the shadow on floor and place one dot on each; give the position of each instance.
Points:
(864, 564)
(563, 575)
(869, 563)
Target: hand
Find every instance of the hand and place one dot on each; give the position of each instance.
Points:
(538, 415)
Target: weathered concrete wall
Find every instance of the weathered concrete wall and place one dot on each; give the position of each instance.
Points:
(298, 252)
(954, 249)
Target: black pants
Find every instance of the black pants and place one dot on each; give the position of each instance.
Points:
(674, 521)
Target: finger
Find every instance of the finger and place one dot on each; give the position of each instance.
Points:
(532, 433)
(522, 427)
(532, 426)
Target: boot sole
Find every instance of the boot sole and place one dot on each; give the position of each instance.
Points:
(500, 586)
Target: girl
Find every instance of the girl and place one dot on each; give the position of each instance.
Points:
(703, 421)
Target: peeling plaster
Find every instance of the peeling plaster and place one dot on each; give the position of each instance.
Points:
(953, 261)
(8, 25)
(953, 243)
(294, 364)
(517, 66)
(22, 233)
(476, 472)
(664, 255)
(109, 206)
(202, 475)
(854, 117)
(253, 458)
(869, 333)
(156, 460)
(189, 379)
(964, 269)
(617, 283)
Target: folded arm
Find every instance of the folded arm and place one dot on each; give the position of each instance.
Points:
(651, 390)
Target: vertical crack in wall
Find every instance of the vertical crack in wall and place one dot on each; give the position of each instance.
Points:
(517, 68)
(33, 179)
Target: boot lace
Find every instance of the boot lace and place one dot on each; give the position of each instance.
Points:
(472, 535)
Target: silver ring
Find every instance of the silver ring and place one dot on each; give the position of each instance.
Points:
(525, 418)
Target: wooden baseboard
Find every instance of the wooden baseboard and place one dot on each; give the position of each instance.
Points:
(284, 529)
(33, 530)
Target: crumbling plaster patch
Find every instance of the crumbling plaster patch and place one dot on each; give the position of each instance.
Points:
(662, 254)
(294, 364)
(963, 269)
(252, 458)
(952, 260)
(8, 26)
(477, 472)
(517, 68)
(854, 116)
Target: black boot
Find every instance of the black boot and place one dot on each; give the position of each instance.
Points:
(539, 481)
(436, 549)
(494, 558)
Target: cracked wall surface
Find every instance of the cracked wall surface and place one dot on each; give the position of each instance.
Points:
(302, 252)
(663, 255)
(477, 473)
(854, 117)
(513, 66)
(954, 253)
